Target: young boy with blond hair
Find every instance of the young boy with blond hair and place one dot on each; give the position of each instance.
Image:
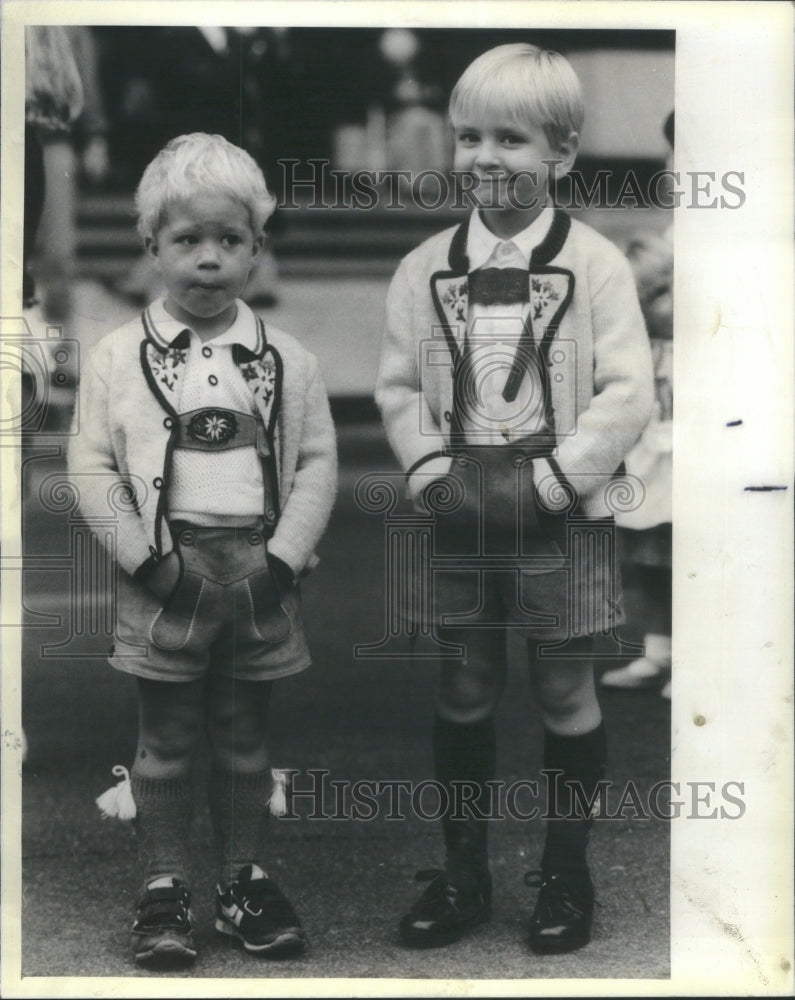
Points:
(515, 377)
(219, 429)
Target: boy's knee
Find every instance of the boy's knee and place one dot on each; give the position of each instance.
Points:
(467, 703)
(170, 742)
(563, 691)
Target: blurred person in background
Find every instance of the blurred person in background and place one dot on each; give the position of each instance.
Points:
(53, 100)
(233, 82)
(416, 133)
(645, 533)
(81, 152)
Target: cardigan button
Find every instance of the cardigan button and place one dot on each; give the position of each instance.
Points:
(157, 482)
(448, 416)
(207, 352)
(212, 379)
(270, 514)
(168, 423)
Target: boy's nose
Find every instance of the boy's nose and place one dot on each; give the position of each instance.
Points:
(487, 155)
(208, 255)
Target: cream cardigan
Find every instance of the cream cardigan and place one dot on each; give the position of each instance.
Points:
(119, 457)
(598, 353)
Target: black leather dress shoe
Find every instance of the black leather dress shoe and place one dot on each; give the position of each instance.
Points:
(451, 906)
(563, 913)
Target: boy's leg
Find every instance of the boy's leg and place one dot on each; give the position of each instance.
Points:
(464, 751)
(249, 904)
(575, 746)
(464, 742)
(170, 725)
(239, 780)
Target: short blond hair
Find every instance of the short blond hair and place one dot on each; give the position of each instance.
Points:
(524, 83)
(201, 163)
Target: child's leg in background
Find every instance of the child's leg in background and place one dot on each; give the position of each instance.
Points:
(574, 744)
(239, 780)
(171, 722)
(646, 573)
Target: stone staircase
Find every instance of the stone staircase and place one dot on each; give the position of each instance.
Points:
(311, 241)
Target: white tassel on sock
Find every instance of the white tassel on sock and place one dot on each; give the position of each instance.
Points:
(658, 649)
(278, 800)
(118, 802)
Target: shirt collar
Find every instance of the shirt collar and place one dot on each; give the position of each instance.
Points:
(165, 328)
(481, 242)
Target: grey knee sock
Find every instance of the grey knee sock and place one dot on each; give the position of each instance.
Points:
(164, 808)
(239, 810)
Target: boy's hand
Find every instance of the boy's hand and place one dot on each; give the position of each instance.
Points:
(553, 495)
(163, 578)
(281, 573)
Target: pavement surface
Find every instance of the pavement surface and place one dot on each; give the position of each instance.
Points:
(350, 879)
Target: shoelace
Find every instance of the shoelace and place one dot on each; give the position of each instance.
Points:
(444, 889)
(562, 893)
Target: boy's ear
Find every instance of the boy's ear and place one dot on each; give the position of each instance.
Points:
(568, 154)
(150, 247)
(257, 246)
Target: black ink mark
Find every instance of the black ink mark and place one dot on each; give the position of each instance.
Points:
(764, 489)
(734, 423)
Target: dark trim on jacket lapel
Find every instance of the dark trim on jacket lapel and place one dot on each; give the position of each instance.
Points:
(181, 341)
(459, 266)
(242, 355)
(457, 255)
(526, 341)
(553, 242)
(150, 379)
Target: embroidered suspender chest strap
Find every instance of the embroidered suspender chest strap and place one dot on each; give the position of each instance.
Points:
(214, 429)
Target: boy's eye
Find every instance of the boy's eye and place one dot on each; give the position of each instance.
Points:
(512, 139)
(468, 138)
(231, 240)
(188, 239)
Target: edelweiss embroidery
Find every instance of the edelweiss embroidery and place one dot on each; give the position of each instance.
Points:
(455, 298)
(543, 295)
(213, 426)
(264, 373)
(165, 366)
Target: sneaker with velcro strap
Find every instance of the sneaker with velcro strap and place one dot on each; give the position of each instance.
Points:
(162, 932)
(255, 911)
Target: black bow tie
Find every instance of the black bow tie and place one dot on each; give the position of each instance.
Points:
(498, 286)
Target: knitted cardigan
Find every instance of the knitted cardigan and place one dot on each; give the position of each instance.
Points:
(586, 312)
(119, 457)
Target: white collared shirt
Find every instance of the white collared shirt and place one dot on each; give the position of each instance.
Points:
(225, 487)
(493, 334)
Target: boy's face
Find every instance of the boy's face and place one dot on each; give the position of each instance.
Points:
(511, 162)
(204, 249)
